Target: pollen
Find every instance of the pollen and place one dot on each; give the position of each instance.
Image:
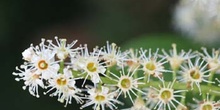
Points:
(126, 83)
(42, 64)
(195, 74)
(100, 98)
(166, 95)
(61, 81)
(150, 66)
(207, 107)
(91, 67)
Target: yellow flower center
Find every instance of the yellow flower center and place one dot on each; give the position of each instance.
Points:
(207, 107)
(195, 74)
(125, 83)
(42, 64)
(166, 95)
(99, 98)
(150, 66)
(61, 81)
(91, 67)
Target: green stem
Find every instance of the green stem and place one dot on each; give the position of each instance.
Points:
(183, 99)
(99, 85)
(212, 97)
(211, 77)
(61, 67)
(174, 74)
(136, 75)
(107, 71)
(146, 77)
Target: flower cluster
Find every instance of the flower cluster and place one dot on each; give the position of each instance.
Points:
(116, 75)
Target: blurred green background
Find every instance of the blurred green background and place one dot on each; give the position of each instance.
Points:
(129, 23)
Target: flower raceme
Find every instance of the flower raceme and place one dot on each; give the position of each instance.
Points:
(116, 74)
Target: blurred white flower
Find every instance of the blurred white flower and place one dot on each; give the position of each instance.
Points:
(198, 19)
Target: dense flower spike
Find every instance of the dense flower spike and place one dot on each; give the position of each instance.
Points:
(56, 68)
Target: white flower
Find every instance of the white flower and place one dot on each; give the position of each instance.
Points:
(62, 49)
(151, 97)
(218, 84)
(90, 65)
(43, 61)
(194, 73)
(198, 19)
(184, 18)
(133, 59)
(201, 4)
(28, 53)
(93, 68)
(31, 80)
(213, 60)
(176, 59)
(127, 84)
(152, 65)
(101, 97)
(167, 96)
(214, 12)
(112, 55)
(205, 104)
(64, 85)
